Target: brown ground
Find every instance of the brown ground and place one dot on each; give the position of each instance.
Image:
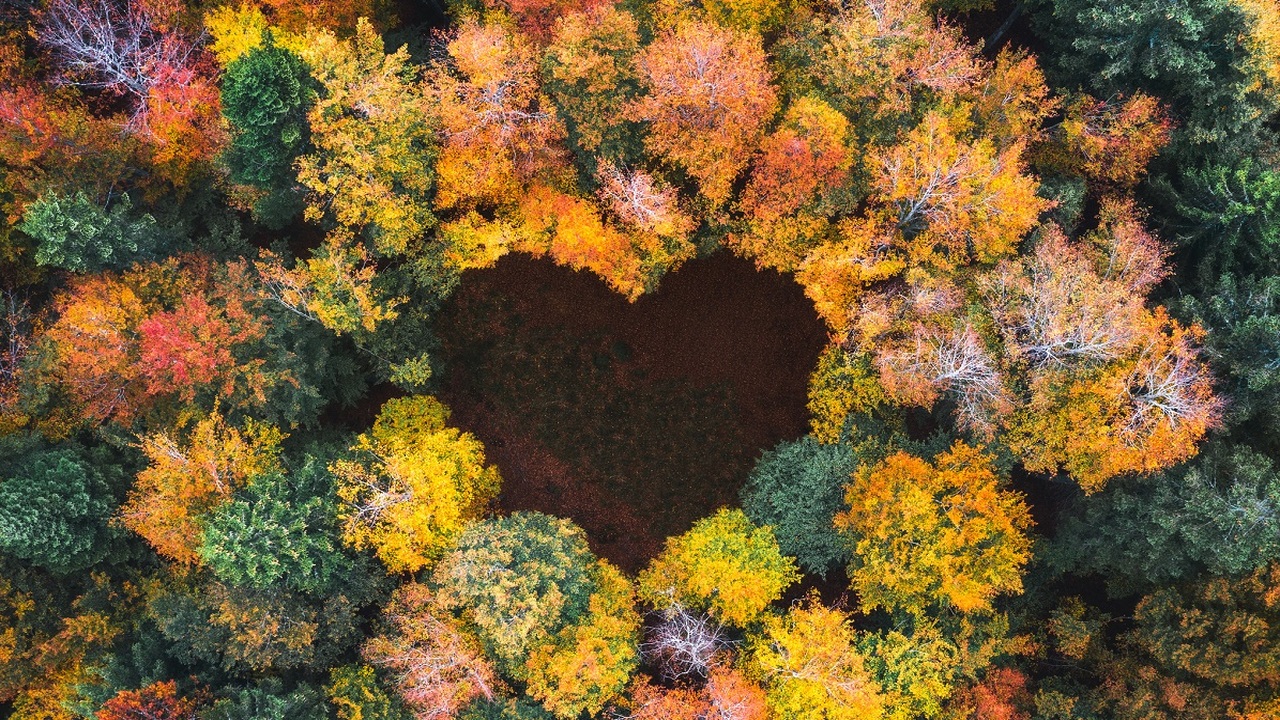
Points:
(634, 419)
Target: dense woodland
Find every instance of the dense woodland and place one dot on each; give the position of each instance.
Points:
(243, 257)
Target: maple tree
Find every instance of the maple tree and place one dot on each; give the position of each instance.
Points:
(725, 565)
(413, 484)
(495, 125)
(1109, 141)
(157, 701)
(438, 668)
(708, 101)
(800, 164)
(373, 141)
(941, 533)
(811, 666)
(955, 200)
(189, 477)
(727, 695)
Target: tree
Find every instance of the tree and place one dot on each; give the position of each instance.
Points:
(589, 73)
(916, 667)
(497, 128)
(1219, 630)
(157, 701)
(185, 480)
(934, 534)
(685, 644)
(708, 102)
(199, 346)
(437, 666)
(272, 534)
(413, 486)
(93, 345)
(336, 287)
(134, 50)
(841, 386)
(1197, 57)
(518, 580)
(356, 694)
(373, 141)
(54, 507)
(1223, 214)
(1110, 142)
(811, 667)
(1218, 514)
(269, 700)
(879, 61)
(725, 565)
(799, 166)
(74, 233)
(266, 95)
(102, 45)
(797, 489)
(587, 664)
(727, 695)
(955, 200)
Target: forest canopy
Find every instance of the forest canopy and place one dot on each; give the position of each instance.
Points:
(1039, 240)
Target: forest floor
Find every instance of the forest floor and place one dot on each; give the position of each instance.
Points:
(633, 419)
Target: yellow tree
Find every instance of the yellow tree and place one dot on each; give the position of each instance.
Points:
(725, 565)
(586, 665)
(708, 102)
(186, 479)
(374, 143)
(811, 667)
(496, 127)
(413, 485)
(929, 534)
(334, 287)
(800, 163)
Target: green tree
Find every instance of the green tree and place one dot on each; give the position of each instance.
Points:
(1195, 55)
(274, 532)
(54, 508)
(1242, 316)
(266, 95)
(270, 701)
(1225, 631)
(797, 488)
(519, 580)
(1219, 513)
(74, 233)
(724, 565)
(1226, 215)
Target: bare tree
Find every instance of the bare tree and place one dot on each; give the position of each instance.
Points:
(637, 198)
(1169, 384)
(110, 44)
(685, 643)
(956, 361)
(437, 668)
